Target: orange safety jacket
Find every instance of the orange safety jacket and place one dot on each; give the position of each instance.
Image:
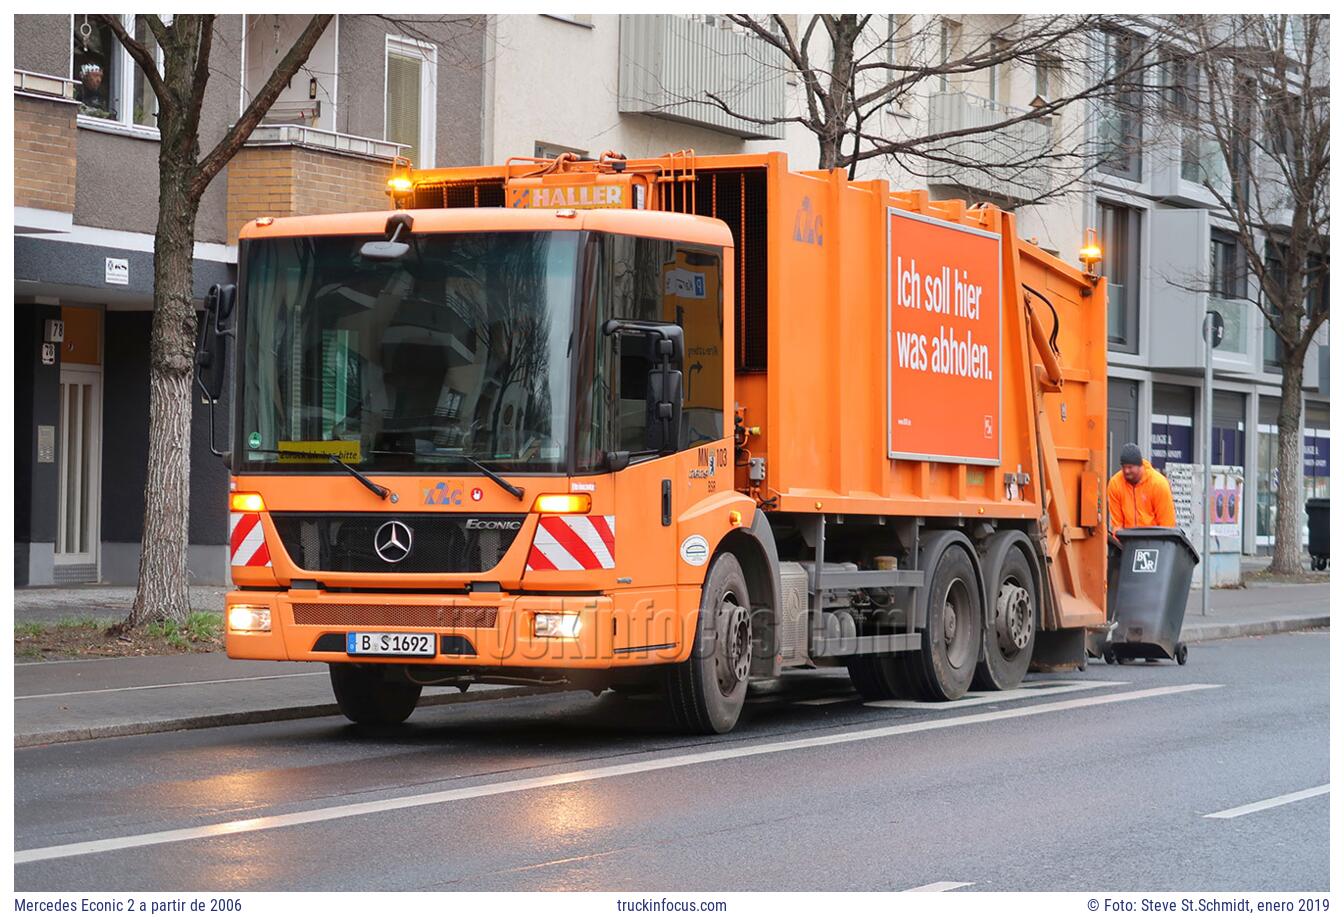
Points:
(1147, 504)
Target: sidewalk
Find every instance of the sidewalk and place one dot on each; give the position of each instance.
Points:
(109, 697)
(97, 602)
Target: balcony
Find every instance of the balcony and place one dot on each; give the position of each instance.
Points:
(285, 170)
(668, 65)
(1182, 161)
(1012, 156)
(1178, 299)
(44, 152)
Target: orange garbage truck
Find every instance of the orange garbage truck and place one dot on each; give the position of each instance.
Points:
(681, 423)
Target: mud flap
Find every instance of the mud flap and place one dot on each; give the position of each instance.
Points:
(1060, 650)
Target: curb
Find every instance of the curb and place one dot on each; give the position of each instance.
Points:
(251, 717)
(1205, 633)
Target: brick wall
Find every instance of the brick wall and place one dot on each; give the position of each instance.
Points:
(44, 154)
(289, 180)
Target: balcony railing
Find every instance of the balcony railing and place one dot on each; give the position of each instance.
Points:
(1009, 161)
(318, 139)
(1202, 161)
(670, 64)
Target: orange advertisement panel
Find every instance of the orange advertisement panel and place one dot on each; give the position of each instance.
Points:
(944, 309)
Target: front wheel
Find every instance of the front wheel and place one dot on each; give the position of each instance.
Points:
(373, 694)
(707, 690)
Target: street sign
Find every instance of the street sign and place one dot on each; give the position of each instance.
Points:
(1216, 327)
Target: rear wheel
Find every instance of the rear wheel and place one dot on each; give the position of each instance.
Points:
(943, 666)
(707, 690)
(1010, 633)
(373, 694)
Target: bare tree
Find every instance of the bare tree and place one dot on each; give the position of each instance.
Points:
(1253, 102)
(854, 71)
(184, 174)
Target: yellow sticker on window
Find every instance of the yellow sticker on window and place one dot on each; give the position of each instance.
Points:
(346, 450)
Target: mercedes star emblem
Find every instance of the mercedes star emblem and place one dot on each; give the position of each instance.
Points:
(392, 542)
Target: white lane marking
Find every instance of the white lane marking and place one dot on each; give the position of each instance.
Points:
(713, 755)
(1000, 696)
(942, 886)
(1271, 803)
(185, 683)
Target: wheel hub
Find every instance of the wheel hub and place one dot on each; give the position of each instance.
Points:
(1013, 618)
(733, 658)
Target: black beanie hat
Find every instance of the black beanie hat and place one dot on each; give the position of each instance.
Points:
(1131, 455)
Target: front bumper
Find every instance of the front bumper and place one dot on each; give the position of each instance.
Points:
(485, 630)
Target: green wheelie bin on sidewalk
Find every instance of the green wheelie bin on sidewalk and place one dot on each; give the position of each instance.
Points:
(1150, 593)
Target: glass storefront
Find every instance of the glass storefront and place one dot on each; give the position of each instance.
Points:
(1173, 425)
(1315, 464)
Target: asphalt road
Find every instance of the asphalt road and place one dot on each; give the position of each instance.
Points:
(1094, 781)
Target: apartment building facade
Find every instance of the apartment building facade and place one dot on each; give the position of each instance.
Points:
(86, 150)
(483, 89)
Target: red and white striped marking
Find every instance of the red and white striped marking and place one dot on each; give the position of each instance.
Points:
(247, 540)
(573, 543)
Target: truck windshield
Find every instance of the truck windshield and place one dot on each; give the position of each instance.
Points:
(460, 349)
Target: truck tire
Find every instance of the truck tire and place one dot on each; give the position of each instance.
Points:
(706, 691)
(1010, 627)
(953, 619)
(369, 694)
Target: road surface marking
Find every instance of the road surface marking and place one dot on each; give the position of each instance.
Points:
(1271, 803)
(714, 754)
(942, 886)
(1001, 696)
(185, 683)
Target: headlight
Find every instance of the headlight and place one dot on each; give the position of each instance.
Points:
(556, 625)
(243, 618)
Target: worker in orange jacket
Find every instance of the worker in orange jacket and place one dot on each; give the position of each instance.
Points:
(1138, 495)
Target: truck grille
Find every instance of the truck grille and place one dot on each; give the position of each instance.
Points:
(439, 542)
(420, 616)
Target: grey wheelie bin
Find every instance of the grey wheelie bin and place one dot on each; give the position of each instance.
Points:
(1151, 590)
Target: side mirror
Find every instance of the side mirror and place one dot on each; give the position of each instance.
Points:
(662, 412)
(212, 350)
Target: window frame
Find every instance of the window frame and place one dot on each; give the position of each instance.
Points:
(428, 53)
(1130, 262)
(127, 69)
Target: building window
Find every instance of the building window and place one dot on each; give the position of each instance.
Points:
(1047, 78)
(108, 84)
(1173, 425)
(410, 98)
(1120, 133)
(949, 32)
(543, 150)
(1227, 267)
(998, 72)
(1120, 228)
(1316, 452)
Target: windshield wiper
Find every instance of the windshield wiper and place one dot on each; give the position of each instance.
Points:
(381, 491)
(497, 479)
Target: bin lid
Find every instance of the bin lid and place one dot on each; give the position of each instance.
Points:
(1158, 534)
(1318, 503)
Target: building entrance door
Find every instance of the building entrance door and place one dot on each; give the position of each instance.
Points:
(77, 486)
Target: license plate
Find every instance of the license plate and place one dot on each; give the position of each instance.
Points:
(420, 645)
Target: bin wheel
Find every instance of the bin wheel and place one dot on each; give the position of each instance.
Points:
(1119, 660)
(1108, 656)
(1181, 653)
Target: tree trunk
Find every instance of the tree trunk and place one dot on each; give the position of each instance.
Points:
(1288, 520)
(162, 592)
